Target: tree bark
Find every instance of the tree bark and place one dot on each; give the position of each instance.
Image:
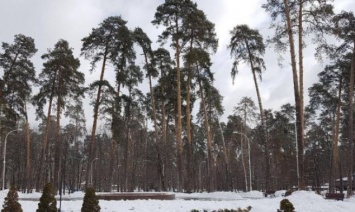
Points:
(179, 116)
(336, 161)
(94, 125)
(44, 152)
(209, 140)
(58, 146)
(262, 117)
(351, 125)
(300, 138)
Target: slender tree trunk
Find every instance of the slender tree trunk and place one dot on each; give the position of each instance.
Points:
(179, 115)
(28, 152)
(351, 125)
(94, 125)
(335, 160)
(163, 138)
(300, 63)
(225, 156)
(44, 154)
(300, 138)
(209, 140)
(58, 145)
(189, 179)
(263, 123)
(156, 137)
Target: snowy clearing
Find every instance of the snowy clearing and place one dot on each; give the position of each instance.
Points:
(303, 201)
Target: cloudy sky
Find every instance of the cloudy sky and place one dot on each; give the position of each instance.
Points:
(47, 21)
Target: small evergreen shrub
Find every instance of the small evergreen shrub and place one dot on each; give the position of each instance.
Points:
(11, 203)
(91, 203)
(286, 206)
(47, 202)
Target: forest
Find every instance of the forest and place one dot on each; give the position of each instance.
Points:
(171, 137)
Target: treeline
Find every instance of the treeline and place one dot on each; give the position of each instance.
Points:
(255, 148)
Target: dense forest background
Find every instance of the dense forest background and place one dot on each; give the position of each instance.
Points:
(158, 117)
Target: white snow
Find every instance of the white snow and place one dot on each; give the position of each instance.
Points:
(303, 201)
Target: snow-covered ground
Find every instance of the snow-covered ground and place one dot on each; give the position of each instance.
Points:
(303, 201)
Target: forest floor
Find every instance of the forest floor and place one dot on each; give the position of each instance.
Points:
(303, 201)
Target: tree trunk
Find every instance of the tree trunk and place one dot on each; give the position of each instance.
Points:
(94, 125)
(225, 156)
(263, 124)
(58, 145)
(209, 140)
(179, 115)
(189, 179)
(335, 160)
(44, 152)
(300, 138)
(351, 125)
(28, 152)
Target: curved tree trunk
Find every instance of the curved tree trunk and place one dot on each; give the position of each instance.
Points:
(263, 123)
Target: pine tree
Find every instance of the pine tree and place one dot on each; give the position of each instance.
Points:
(172, 15)
(91, 203)
(47, 202)
(11, 203)
(110, 43)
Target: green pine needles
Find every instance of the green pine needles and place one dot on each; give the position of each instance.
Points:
(91, 202)
(47, 202)
(11, 203)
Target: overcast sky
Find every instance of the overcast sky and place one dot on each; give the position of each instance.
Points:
(47, 21)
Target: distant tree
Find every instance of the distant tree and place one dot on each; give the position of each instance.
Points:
(47, 202)
(111, 42)
(11, 203)
(163, 64)
(151, 72)
(247, 46)
(62, 80)
(19, 73)
(295, 19)
(172, 14)
(200, 65)
(198, 32)
(345, 29)
(91, 203)
(247, 110)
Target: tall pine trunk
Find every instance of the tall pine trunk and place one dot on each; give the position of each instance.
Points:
(28, 153)
(351, 125)
(44, 157)
(94, 125)
(300, 138)
(179, 115)
(263, 123)
(58, 145)
(189, 183)
(209, 141)
(335, 161)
